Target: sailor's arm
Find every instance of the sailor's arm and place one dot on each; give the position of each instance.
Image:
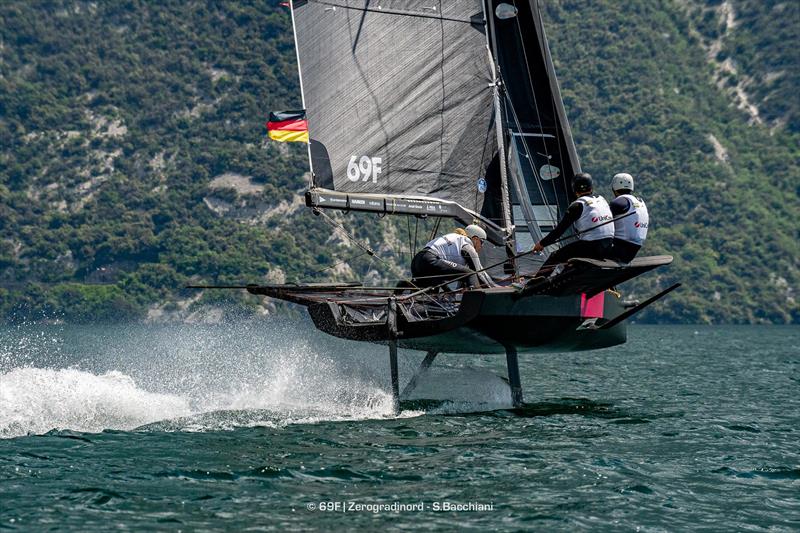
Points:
(619, 206)
(573, 213)
(471, 254)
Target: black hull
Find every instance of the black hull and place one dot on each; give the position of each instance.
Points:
(568, 311)
(489, 321)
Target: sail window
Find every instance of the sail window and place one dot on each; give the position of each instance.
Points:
(505, 11)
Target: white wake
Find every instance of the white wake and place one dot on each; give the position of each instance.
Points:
(210, 378)
(36, 400)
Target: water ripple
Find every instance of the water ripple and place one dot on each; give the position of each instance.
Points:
(205, 429)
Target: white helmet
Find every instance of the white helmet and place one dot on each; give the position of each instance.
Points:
(475, 231)
(622, 181)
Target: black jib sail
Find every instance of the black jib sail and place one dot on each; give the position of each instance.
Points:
(542, 159)
(399, 102)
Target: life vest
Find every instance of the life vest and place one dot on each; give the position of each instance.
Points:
(449, 246)
(633, 228)
(595, 212)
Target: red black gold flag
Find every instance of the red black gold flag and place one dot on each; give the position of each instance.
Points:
(288, 126)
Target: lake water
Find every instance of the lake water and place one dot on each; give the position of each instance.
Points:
(274, 426)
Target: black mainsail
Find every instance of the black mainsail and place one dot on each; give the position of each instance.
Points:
(399, 101)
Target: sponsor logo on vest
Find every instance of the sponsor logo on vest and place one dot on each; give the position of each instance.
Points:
(601, 219)
(641, 225)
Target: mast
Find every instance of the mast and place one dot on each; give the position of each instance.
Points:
(300, 79)
(498, 114)
(542, 159)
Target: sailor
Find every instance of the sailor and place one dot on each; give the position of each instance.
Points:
(451, 256)
(630, 229)
(591, 217)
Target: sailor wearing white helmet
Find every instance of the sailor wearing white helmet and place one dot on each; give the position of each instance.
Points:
(630, 231)
(452, 256)
(591, 219)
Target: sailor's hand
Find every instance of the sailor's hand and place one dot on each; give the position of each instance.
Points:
(537, 248)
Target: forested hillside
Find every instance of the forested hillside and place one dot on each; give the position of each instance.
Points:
(658, 89)
(133, 157)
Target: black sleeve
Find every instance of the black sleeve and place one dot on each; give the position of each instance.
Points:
(619, 205)
(573, 213)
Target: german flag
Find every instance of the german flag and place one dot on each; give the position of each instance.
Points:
(288, 126)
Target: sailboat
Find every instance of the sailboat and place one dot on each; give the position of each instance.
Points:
(449, 109)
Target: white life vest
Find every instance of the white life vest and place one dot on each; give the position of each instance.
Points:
(595, 212)
(449, 246)
(633, 228)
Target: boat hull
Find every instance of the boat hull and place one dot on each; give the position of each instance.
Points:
(566, 311)
(489, 321)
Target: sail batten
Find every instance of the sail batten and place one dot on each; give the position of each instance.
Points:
(428, 11)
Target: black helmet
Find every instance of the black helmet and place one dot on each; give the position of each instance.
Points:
(582, 183)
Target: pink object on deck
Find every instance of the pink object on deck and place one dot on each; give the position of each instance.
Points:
(592, 307)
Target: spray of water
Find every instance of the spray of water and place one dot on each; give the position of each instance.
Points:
(205, 378)
(36, 400)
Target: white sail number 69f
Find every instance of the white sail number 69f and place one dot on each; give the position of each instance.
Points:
(364, 168)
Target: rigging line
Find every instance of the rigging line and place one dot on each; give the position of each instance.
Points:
(382, 301)
(504, 196)
(484, 167)
(311, 178)
(535, 103)
(444, 95)
(517, 256)
(368, 250)
(424, 293)
(435, 228)
(537, 178)
(345, 260)
(373, 255)
(408, 225)
(371, 252)
(530, 79)
(416, 229)
(424, 277)
(371, 265)
(553, 103)
(539, 120)
(352, 239)
(398, 12)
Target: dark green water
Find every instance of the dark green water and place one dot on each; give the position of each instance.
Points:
(247, 427)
